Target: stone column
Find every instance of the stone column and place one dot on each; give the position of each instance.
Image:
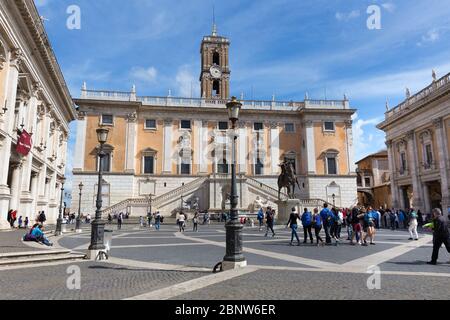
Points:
(350, 147)
(131, 143)
(168, 128)
(275, 148)
(80, 146)
(310, 147)
(16, 58)
(34, 195)
(243, 148)
(401, 197)
(203, 147)
(426, 198)
(414, 169)
(393, 170)
(15, 186)
(441, 142)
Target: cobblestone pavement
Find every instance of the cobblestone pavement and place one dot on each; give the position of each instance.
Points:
(148, 263)
(99, 281)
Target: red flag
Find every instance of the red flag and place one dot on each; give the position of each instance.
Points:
(24, 143)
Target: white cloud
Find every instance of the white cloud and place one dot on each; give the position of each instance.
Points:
(347, 16)
(366, 137)
(41, 3)
(186, 82)
(431, 36)
(389, 7)
(144, 74)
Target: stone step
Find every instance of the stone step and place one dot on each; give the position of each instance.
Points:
(33, 257)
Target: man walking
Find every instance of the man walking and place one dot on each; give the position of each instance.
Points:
(260, 218)
(307, 225)
(325, 214)
(119, 221)
(440, 235)
(269, 221)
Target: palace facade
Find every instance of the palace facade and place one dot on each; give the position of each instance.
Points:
(33, 97)
(417, 137)
(374, 180)
(165, 149)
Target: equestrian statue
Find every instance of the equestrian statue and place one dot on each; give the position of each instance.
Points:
(287, 179)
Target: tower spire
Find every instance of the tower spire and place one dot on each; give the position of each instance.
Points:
(214, 27)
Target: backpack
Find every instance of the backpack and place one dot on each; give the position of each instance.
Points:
(306, 219)
(317, 220)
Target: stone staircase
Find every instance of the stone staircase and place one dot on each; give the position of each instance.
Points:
(159, 201)
(35, 257)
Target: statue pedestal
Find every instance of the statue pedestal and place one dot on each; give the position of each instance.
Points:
(285, 210)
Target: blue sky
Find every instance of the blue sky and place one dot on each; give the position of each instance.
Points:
(281, 47)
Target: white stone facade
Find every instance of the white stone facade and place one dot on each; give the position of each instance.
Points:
(33, 97)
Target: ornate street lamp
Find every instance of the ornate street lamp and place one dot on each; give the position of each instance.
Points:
(98, 226)
(234, 257)
(78, 224)
(58, 231)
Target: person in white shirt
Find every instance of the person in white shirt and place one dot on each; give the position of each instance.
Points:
(181, 221)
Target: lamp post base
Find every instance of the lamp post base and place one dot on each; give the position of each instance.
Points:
(95, 255)
(78, 226)
(58, 230)
(233, 265)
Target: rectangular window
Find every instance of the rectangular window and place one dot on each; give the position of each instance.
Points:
(107, 119)
(289, 128)
(429, 154)
(259, 166)
(185, 124)
(328, 126)
(149, 162)
(367, 182)
(185, 168)
(258, 126)
(223, 125)
(150, 124)
(332, 168)
(403, 162)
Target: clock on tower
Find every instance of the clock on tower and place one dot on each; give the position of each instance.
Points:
(215, 71)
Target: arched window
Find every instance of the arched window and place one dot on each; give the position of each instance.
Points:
(216, 58)
(216, 88)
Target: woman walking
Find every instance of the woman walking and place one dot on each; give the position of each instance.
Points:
(293, 224)
(317, 223)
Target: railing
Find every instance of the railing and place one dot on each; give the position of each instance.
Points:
(264, 187)
(406, 105)
(157, 201)
(179, 191)
(211, 103)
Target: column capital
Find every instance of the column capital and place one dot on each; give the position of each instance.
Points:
(37, 89)
(168, 122)
(132, 117)
(2, 61)
(82, 115)
(17, 58)
(410, 135)
(388, 143)
(308, 123)
(438, 123)
(274, 125)
(349, 123)
(205, 123)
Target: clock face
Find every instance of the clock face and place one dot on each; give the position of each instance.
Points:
(216, 72)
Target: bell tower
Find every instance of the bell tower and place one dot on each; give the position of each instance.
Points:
(215, 70)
